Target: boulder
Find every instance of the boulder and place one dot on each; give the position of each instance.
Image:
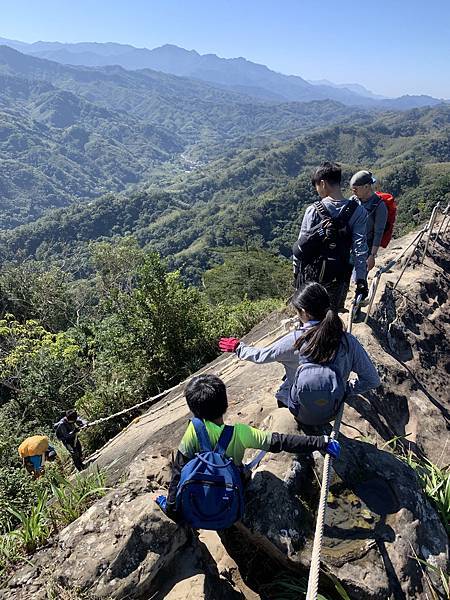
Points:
(377, 520)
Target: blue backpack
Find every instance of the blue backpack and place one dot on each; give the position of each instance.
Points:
(210, 493)
(316, 394)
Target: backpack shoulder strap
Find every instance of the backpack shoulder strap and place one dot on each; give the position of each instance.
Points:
(224, 440)
(202, 435)
(321, 209)
(347, 211)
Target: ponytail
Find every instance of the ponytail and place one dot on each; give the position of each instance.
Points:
(320, 342)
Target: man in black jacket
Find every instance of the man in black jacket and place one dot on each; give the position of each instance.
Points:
(66, 431)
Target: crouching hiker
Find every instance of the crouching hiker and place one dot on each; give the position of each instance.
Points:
(207, 486)
(35, 451)
(66, 430)
(318, 359)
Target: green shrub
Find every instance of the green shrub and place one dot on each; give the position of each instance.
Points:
(44, 514)
(238, 319)
(73, 497)
(18, 492)
(35, 527)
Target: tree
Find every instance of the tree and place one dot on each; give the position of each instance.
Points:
(255, 274)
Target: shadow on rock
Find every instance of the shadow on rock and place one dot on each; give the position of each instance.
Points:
(377, 518)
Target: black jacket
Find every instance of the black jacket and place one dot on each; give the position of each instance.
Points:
(67, 432)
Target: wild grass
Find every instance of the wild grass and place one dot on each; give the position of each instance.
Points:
(441, 580)
(435, 482)
(290, 587)
(73, 498)
(35, 525)
(67, 501)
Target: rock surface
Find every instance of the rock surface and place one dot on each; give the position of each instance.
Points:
(124, 547)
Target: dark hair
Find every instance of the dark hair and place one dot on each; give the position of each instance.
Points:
(329, 172)
(206, 396)
(71, 415)
(320, 342)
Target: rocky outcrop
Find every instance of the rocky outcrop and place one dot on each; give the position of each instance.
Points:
(377, 521)
(125, 547)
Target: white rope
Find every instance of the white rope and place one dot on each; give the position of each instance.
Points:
(314, 571)
(430, 229)
(376, 279)
(283, 326)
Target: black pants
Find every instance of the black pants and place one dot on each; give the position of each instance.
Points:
(337, 289)
(76, 452)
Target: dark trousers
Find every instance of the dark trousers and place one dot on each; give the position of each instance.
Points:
(337, 289)
(314, 429)
(76, 452)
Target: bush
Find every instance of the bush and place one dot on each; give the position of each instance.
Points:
(45, 514)
(435, 483)
(17, 491)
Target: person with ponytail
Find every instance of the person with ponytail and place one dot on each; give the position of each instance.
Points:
(320, 343)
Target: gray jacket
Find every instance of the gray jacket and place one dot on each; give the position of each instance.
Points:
(377, 214)
(357, 225)
(350, 357)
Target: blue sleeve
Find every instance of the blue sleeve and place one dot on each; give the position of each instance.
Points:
(280, 351)
(364, 368)
(359, 241)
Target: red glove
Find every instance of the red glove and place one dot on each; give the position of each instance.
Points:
(229, 344)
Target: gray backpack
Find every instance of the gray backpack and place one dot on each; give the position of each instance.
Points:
(316, 394)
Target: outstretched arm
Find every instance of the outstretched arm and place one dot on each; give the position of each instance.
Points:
(297, 444)
(280, 351)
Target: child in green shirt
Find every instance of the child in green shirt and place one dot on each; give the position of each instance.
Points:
(206, 397)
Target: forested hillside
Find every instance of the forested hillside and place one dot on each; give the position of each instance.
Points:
(74, 133)
(255, 196)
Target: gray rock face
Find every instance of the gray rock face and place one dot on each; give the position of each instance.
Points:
(377, 517)
(125, 547)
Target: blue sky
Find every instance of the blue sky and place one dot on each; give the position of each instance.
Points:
(392, 47)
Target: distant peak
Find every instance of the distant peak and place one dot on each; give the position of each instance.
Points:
(175, 48)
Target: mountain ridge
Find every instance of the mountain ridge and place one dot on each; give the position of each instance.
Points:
(92, 130)
(234, 72)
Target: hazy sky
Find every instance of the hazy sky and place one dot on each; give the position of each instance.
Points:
(391, 46)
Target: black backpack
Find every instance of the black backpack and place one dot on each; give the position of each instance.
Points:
(324, 250)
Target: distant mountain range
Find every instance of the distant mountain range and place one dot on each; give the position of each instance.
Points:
(237, 74)
(70, 133)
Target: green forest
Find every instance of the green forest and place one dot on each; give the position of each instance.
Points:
(256, 195)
